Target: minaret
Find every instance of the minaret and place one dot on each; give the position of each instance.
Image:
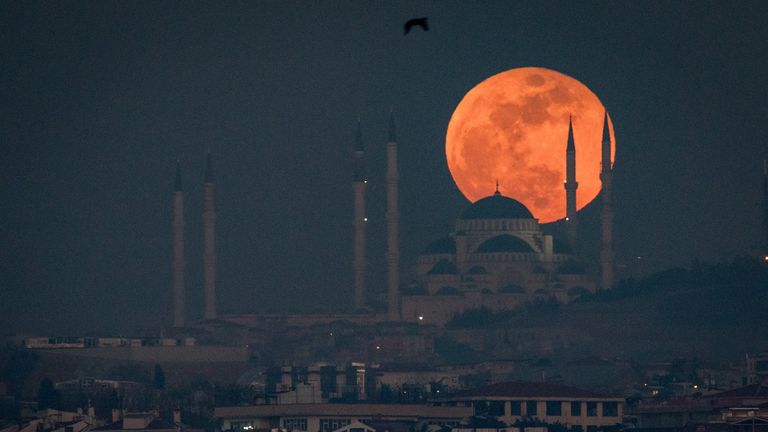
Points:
(359, 182)
(178, 251)
(393, 217)
(209, 240)
(606, 212)
(570, 187)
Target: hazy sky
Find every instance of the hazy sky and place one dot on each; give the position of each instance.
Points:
(99, 99)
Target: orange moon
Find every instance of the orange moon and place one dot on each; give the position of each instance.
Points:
(513, 127)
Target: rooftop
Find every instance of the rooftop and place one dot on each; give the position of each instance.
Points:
(381, 410)
(519, 389)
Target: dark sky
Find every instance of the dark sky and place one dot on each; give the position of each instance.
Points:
(99, 99)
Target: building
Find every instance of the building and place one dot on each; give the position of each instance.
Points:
(498, 258)
(750, 396)
(145, 421)
(757, 369)
(511, 402)
(330, 417)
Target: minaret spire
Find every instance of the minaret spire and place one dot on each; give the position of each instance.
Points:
(570, 186)
(606, 212)
(179, 304)
(209, 240)
(393, 218)
(359, 183)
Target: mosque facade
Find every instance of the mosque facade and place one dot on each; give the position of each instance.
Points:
(498, 257)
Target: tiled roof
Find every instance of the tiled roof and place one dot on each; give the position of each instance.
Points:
(366, 410)
(528, 390)
(754, 390)
(157, 424)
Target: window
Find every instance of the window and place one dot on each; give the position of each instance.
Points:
(576, 409)
(515, 408)
(496, 408)
(610, 409)
(591, 428)
(299, 424)
(530, 408)
(591, 409)
(554, 408)
(488, 408)
(331, 424)
(576, 428)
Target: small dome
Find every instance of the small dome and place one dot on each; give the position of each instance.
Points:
(477, 270)
(443, 267)
(497, 206)
(445, 245)
(504, 243)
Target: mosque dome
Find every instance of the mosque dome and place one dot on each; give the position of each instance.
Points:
(497, 206)
(504, 243)
(443, 267)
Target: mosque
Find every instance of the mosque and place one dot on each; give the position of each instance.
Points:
(498, 257)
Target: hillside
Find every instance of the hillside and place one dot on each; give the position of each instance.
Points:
(716, 312)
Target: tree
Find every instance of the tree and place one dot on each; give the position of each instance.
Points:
(47, 395)
(158, 379)
(485, 422)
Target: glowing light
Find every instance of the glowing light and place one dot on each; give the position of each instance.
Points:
(514, 127)
(421, 318)
(365, 219)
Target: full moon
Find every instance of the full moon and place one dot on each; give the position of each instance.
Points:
(513, 128)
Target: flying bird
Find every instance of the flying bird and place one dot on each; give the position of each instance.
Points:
(415, 22)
